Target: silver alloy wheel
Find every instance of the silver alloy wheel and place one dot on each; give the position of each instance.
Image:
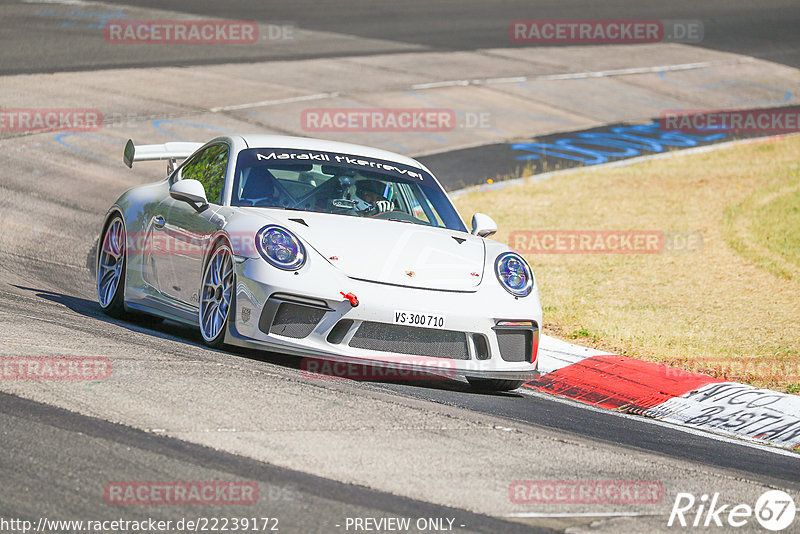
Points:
(110, 263)
(215, 296)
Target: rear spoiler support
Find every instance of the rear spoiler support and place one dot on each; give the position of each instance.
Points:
(168, 151)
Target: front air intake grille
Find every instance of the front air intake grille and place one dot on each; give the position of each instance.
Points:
(515, 345)
(295, 321)
(384, 337)
(338, 332)
(481, 346)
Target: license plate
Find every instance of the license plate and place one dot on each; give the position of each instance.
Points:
(420, 319)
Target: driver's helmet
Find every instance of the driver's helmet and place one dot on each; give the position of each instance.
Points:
(370, 186)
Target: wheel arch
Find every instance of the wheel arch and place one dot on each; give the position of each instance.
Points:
(216, 239)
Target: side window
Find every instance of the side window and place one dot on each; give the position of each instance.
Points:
(208, 167)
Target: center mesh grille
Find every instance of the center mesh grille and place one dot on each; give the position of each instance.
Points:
(384, 337)
(295, 321)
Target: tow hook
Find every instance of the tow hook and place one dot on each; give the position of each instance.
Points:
(350, 297)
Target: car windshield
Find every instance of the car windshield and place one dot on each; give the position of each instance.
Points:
(342, 184)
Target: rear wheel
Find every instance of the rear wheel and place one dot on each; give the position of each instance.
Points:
(493, 384)
(111, 269)
(216, 296)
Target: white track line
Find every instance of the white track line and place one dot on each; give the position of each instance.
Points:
(263, 103)
(511, 79)
(587, 74)
(434, 85)
(641, 70)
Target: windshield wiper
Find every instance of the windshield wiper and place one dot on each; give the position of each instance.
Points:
(289, 208)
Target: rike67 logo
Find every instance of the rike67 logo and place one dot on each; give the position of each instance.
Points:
(774, 510)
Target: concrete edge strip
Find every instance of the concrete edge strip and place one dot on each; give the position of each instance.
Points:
(505, 80)
(583, 75)
(667, 394)
(694, 431)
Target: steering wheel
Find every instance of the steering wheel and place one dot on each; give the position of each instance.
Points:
(341, 205)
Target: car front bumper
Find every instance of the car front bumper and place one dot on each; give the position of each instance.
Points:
(488, 333)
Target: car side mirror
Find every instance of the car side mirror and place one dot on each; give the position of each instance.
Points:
(191, 191)
(483, 225)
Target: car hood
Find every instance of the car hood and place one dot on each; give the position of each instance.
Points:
(390, 252)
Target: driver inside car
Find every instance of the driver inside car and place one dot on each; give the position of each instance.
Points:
(259, 189)
(371, 192)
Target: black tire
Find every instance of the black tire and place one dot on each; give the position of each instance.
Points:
(112, 301)
(493, 385)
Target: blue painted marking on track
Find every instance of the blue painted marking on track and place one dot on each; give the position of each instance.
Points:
(60, 140)
(83, 19)
(618, 142)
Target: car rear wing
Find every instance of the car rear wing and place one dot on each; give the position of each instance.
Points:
(171, 151)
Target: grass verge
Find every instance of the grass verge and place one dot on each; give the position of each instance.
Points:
(729, 307)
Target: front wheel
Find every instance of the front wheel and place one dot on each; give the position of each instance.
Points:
(111, 269)
(216, 296)
(492, 385)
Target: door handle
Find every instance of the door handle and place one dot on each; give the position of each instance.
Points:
(158, 221)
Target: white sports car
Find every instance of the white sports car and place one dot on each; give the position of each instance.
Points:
(320, 249)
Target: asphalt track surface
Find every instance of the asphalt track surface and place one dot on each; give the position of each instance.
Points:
(520, 406)
(72, 444)
(606, 426)
(55, 462)
(57, 456)
(765, 30)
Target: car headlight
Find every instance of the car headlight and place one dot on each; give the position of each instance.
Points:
(280, 248)
(514, 274)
